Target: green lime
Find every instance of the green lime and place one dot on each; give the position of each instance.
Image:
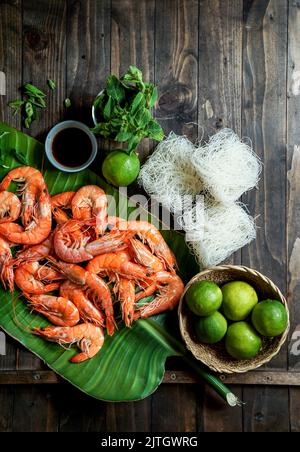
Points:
(204, 298)
(242, 341)
(121, 169)
(211, 329)
(270, 318)
(239, 298)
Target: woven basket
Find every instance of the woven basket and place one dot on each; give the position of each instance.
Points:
(215, 356)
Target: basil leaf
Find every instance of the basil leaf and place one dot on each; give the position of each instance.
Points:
(143, 117)
(109, 108)
(137, 103)
(154, 97)
(123, 135)
(27, 122)
(133, 143)
(29, 110)
(16, 105)
(133, 74)
(32, 90)
(115, 89)
(155, 131)
(99, 102)
(38, 102)
(51, 84)
(102, 128)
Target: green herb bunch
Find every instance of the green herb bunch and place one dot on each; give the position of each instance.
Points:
(123, 110)
(34, 99)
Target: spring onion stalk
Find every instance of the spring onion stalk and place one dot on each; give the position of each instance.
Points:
(214, 382)
(174, 345)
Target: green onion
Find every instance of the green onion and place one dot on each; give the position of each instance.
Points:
(214, 382)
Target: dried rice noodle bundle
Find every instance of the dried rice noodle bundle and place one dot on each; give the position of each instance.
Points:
(227, 166)
(221, 231)
(169, 175)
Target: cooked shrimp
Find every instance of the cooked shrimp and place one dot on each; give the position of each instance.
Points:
(38, 230)
(143, 256)
(170, 287)
(60, 203)
(95, 286)
(148, 233)
(90, 202)
(10, 207)
(126, 296)
(108, 243)
(6, 268)
(118, 263)
(58, 310)
(70, 240)
(34, 278)
(89, 338)
(35, 252)
(32, 182)
(88, 312)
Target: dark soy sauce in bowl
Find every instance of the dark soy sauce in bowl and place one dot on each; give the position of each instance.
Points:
(72, 147)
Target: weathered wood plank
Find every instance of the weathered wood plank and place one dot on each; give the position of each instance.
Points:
(133, 44)
(174, 409)
(88, 54)
(219, 105)
(11, 56)
(259, 377)
(264, 121)
(176, 65)
(220, 65)
(79, 412)
(176, 74)
(266, 410)
(34, 410)
(293, 206)
(44, 56)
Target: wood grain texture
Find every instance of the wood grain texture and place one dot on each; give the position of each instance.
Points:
(44, 26)
(259, 377)
(34, 410)
(11, 65)
(264, 121)
(11, 56)
(266, 410)
(88, 54)
(293, 203)
(220, 65)
(176, 74)
(219, 105)
(174, 409)
(176, 65)
(44, 56)
(133, 43)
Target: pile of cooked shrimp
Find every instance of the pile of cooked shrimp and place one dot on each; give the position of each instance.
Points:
(121, 261)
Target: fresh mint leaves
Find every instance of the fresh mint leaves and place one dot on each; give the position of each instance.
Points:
(124, 108)
(33, 98)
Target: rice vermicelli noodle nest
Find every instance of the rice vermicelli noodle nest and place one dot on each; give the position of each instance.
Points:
(169, 174)
(227, 166)
(222, 231)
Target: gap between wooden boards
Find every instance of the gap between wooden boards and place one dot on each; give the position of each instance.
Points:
(279, 378)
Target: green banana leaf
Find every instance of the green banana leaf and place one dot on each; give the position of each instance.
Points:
(131, 364)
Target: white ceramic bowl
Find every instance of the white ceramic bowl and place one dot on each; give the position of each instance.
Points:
(67, 125)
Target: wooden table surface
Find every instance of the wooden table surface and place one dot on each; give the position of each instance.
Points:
(217, 63)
